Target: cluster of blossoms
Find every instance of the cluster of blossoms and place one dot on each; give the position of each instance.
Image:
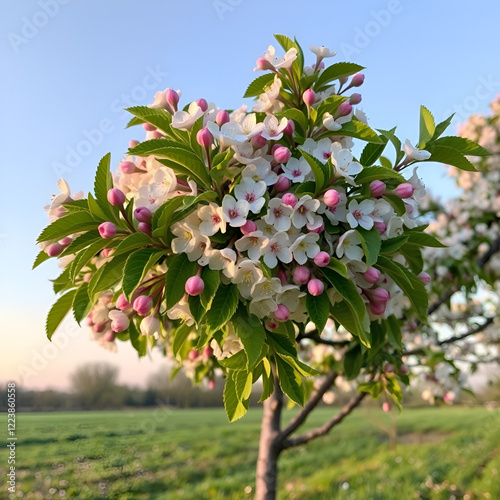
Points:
(224, 232)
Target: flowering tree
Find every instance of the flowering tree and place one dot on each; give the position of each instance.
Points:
(257, 244)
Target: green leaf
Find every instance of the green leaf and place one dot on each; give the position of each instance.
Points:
(297, 116)
(449, 156)
(413, 256)
(371, 243)
(81, 303)
(243, 381)
(394, 332)
(186, 163)
(108, 275)
(83, 257)
(180, 336)
(290, 381)
(353, 362)
(223, 307)
(138, 341)
(427, 127)
(58, 311)
(441, 127)
(267, 381)
(394, 389)
(336, 71)
(220, 164)
(424, 239)
(329, 105)
(345, 314)
(250, 331)
(321, 171)
(369, 174)
(392, 245)
(338, 266)
(103, 182)
(136, 266)
(151, 146)
(212, 281)
(463, 145)
(412, 287)
(389, 135)
(82, 241)
(180, 269)
(238, 361)
(235, 409)
(71, 223)
(41, 257)
(360, 130)
(162, 223)
(160, 118)
(132, 242)
(318, 308)
(259, 85)
(371, 153)
(396, 202)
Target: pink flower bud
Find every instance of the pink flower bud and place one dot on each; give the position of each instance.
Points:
(405, 190)
(202, 104)
(119, 321)
(377, 188)
(116, 197)
(87, 277)
(377, 308)
(424, 278)
(99, 327)
(357, 80)
(109, 336)
(107, 230)
(54, 250)
(271, 325)
(403, 369)
(282, 276)
(386, 407)
(371, 275)
(222, 117)
(65, 241)
(194, 286)
(193, 354)
(380, 295)
(301, 275)
(127, 167)
(248, 227)
(208, 352)
(263, 64)
(282, 184)
(282, 154)
(211, 384)
(144, 228)
(344, 109)
(282, 313)
(289, 199)
(389, 368)
(143, 304)
(258, 142)
(315, 287)
(355, 99)
(343, 80)
(322, 259)
(309, 97)
(133, 143)
(290, 127)
(204, 138)
(331, 198)
(148, 127)
(449, 397)
(106, 252)
(143, 214)
(122, 303)
(380, 226)
(156, 134)
(316, 229)
(172, 98)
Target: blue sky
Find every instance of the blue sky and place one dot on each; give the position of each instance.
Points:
(70, 67)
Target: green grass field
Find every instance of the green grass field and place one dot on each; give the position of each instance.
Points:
(195, 454)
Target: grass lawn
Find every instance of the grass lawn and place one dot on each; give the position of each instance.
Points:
(448, 453)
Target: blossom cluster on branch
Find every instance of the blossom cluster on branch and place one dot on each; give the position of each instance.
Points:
(227, 234)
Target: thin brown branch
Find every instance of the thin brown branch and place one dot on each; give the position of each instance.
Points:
(455, 338)
(314, 336)
(327, 426)
(315, 398)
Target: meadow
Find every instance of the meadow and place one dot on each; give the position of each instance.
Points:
(439, 453)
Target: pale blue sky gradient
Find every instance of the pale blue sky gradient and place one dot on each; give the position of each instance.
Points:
(69, 73)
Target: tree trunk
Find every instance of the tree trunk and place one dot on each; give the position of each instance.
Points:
(269, 448)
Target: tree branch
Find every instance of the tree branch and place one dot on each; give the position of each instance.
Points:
(455, 338)
(314, 335)
(326, 427)
(315, 398)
